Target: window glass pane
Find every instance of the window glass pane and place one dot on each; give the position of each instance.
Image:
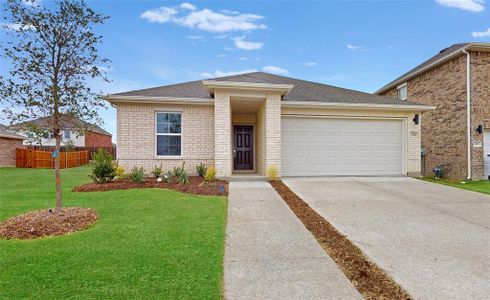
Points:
(169, 145)
(67, 134)
(402, 93)
(169, 123)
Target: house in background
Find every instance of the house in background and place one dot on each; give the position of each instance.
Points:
(9, 141)
(251, 122)
(94, 135)
(457, 132)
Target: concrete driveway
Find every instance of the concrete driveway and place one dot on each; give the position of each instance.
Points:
(434, 240)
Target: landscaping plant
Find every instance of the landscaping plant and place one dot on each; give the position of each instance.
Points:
(168, 176)
(53, 59)
(103, 169)
(157, 171)
(210, 174)
(179, 170)
(120, 171)
(183, 178)
(272, 173)
(137, 174)
(201, 170)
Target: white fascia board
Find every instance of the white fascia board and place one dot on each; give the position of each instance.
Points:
(335, 105)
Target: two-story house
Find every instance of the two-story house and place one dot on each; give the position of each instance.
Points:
(457, 133)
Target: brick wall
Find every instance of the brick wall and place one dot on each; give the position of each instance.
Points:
(7, 151)
(136, 138)
(222, 134)
(444, 129)
(95, 139)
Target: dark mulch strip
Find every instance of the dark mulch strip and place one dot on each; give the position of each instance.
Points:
(196, 186)
(371, 281)
(48, 222)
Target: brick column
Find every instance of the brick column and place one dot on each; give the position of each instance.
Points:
(222, 134)
(272, 147)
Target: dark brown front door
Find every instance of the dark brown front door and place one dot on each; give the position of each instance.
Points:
(243, 149)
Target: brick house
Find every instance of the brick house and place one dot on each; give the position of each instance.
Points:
(93, 136)
(8, 143)
(457, 133)
(251, 122)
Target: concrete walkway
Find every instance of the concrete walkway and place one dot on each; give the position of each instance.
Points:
(269, 254)
(432, 239)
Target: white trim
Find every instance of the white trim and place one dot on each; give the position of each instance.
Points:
(468, 113)
(213, 84)
(340, 105)
(398, 89)
(114, 99)
(404, 122)
(442, 59)
(181, 134)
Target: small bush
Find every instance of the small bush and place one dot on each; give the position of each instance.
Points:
(179, 170)
(201, 170)
(157, 171)
(168, 176)
(272, 173)
(210, 174)
(69, 146)
(183, 178)
(120, 171)
(103, 170)
(137, 174)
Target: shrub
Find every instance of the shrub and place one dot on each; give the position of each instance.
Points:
(210, 174)
(183, 178)
(69, 146)
(120, 171)
(103, 170)
(179, 170)
(272, 173)
(157, 171)
(137, 174)
(201, 170)
(168, 176)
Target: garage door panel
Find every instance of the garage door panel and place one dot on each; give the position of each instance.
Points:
(327, 146)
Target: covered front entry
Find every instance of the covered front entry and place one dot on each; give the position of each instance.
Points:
(243, 147)
(323, 146)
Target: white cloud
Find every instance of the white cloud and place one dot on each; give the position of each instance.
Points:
(469, 5)
(221, 55)
(195, 37)
(188, 15)
(246, 45)
(311, 64)
(352, 47)
(242, 58)
(480, 34)
(229, 73)
(16, 26)
(275, 70)
(188, 6)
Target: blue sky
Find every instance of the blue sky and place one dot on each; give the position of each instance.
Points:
(360, 45)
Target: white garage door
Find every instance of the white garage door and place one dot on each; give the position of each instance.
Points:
(486, 153)
(328, 147)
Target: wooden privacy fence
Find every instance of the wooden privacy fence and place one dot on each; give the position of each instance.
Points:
(91, 150)
(29, 158)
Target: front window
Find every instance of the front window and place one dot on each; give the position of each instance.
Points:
(67, 134)
(169, 134)
(402, 92)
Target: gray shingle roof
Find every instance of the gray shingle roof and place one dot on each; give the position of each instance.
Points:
(7, 134)
(66, 124)
(443, 53)
(302, 90)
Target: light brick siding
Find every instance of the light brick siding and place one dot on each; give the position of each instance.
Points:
(444, 129)
(222, 134)
(412, 151)
(95, 139)
(7, 151)
(272, 132)
(136, 138)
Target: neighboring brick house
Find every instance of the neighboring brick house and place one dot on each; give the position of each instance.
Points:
(251, 122)
(8, 143)
(441, 81)
(93, 136)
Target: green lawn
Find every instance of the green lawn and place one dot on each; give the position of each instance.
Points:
(482, 186)
(148, 243)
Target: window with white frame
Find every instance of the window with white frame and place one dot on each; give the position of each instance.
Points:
(402, 92)
(66, 133)
(169, 133)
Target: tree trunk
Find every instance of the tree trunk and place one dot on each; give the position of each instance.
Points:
(59, 202)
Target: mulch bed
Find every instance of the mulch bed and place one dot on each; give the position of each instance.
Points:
(48, 222)
(371, 281)
(196, 186)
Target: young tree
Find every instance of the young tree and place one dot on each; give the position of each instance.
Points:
(52, 53)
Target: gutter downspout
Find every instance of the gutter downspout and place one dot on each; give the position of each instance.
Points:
(468, 109)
